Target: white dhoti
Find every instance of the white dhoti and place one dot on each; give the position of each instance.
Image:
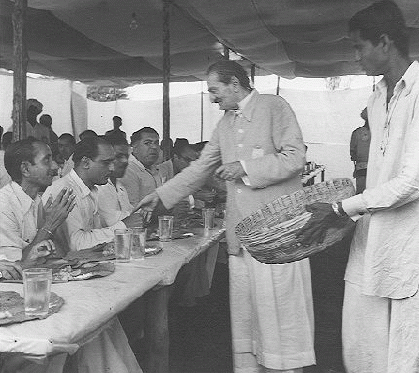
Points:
(271, 315)
(380, 335)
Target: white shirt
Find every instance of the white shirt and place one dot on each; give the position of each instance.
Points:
(82, 228)
(4, 176)
(19, 215)
(384, 255)
(140, 181)
(113, 203)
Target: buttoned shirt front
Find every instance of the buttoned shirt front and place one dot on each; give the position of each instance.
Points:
(19, 217)
(140, 181)
(113, 203)
(82, 229)
(384, 256)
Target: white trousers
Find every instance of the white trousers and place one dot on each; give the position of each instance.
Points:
(271, 315)
(380, 335)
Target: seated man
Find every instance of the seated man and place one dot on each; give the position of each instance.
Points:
(25, 224)
(66, 144)
(93, 164)
(113, 198)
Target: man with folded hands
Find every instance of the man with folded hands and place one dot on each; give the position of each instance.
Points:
(26, 226)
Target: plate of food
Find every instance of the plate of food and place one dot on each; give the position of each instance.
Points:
(12, 309)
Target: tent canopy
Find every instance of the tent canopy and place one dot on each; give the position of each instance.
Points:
(91, 40)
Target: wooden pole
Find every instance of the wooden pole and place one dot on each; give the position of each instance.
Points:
(166, 78)
(202, 111)
(252, 74)
(277, 86)
(20, 65)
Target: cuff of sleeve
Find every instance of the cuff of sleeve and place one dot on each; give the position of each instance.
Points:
(354, 206)
(245, 179)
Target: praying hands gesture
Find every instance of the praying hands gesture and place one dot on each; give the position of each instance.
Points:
(57, 211)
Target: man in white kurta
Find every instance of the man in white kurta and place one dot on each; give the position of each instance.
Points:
(83, 229)
(381, 304)
(262, 153)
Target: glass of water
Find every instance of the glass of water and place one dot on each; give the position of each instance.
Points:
(37, 291)
(138, 242)
(165, 227)
(123, 242)
(208, 215)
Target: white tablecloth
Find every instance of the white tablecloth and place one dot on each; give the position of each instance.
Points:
(90, 304)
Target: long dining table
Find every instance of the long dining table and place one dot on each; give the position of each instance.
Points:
(89, 305)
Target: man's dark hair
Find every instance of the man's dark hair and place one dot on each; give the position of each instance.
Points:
(115, 139)
(69, 137)
(18, 152)
(180, 145)
(46, 120)
(382, 17)
(6, 140)
(227, 69)
(89, 148)
(137, 135)
(199, 146)
(87, 133)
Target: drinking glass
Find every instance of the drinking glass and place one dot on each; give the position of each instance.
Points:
(208, 215)
(138, 242)
(37, 291)
(165, 227)
(123, 241)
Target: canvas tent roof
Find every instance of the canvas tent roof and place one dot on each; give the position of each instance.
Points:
(90, 40)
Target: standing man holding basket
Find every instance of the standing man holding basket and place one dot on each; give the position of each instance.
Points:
(381, 305)
(258, 149)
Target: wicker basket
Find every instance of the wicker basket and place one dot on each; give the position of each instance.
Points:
(269, 234)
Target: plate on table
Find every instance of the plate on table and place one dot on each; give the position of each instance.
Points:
(12, 309)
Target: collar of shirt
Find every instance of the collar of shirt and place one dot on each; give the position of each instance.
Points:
(26, 201)
(137, 162)
(406, 81)
(152, 170)
(244, 108)
(85, 191)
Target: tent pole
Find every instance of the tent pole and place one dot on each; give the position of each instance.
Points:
(252, 74)
(277, 86)
(20, 65)
(202, 111)
(166, 78)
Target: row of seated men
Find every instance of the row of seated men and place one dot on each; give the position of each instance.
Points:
(82, 208)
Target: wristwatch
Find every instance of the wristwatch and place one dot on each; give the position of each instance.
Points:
(338, 210)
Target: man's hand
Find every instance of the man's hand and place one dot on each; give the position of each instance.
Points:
(136, 219)
(43, 248)
(57, 211)
(323, 218)
(10, 270)
(147, 205)
(230, 171)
